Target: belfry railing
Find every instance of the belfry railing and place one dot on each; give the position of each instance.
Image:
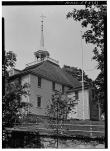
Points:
(42, 60)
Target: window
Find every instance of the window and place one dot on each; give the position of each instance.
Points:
(76, 95)
(53, 86)
(62, 88)
(38, 101)
(39, 81)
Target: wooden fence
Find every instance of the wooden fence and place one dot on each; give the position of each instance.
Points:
(85, 129)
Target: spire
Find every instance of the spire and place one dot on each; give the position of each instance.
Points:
(42, 37)
(42, 52)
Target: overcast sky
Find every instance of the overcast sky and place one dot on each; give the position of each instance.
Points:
(62, 37)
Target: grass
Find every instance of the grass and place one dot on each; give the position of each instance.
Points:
(44, 120)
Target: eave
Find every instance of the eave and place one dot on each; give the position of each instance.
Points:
(79, 88)
(42, 76)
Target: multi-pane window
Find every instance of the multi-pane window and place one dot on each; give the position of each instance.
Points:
(53, 86)
(62, 88)
(38, 101)
(76, 95)
(39, 81)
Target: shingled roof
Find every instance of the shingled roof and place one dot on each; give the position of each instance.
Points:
(52, 72)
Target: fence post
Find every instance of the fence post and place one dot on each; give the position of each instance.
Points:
(90, 129)
(15, 124)
(61, 127)
(36, 123)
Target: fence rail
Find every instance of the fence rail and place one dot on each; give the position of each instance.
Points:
(69, 129)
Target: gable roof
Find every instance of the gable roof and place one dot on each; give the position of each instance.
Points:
(53, 73)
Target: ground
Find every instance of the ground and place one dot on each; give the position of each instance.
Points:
(69, 143)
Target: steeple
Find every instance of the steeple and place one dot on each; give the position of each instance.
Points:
(41, 53)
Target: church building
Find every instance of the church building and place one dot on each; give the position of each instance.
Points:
(45, 75)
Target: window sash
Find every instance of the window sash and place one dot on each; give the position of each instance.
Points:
(76, 95)
(62, 88)
(38, 101)
(53, 86)
(39, 81)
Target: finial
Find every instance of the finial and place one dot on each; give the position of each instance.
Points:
(42, 17)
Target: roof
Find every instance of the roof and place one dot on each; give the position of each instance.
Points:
(78, 88)
(17, 69)
(52, 72)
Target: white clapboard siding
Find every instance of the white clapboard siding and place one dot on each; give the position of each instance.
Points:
(73, 112)
(45, 91)
(25, 79)
(58, 87)
(80, 105)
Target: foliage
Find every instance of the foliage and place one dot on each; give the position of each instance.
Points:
(10, 59)
(93, 17)
(77, 73)
(59, 109)
(20, 139)
(60, 106)
(12, 99)
(12, 103)
(9, 62)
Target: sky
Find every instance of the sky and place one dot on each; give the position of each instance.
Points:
(62, 36)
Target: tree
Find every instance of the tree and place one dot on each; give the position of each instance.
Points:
(59, 109)
(12, 99)
(93, 16)
(77, 73)
(9, 62)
